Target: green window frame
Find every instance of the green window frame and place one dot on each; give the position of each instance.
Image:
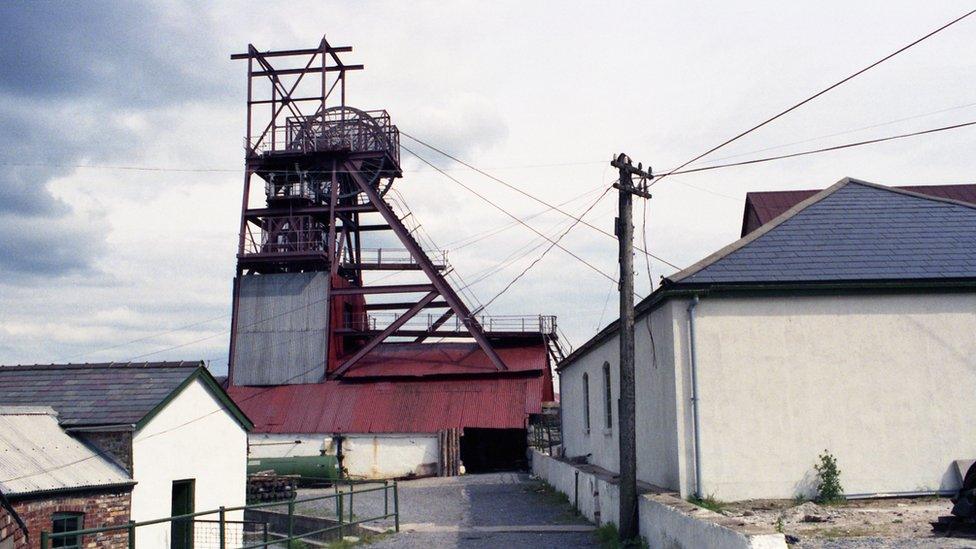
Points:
(67, 522)
(608, 394)
(586, 402)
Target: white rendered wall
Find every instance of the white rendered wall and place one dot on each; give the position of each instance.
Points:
(657, 443)
(886, 383)
(186, 441)
(384, 455)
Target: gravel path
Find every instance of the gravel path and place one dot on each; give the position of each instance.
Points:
(473, 511)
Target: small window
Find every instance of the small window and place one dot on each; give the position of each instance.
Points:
(586, 402)
(608, 395)
(67, 522)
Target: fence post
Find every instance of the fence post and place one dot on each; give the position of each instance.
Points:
(339, 514)
(266, 536)
(291, 520)
(132, 534)
(396, 508)
(352, 490)
(223, 528)
(386, 498)
(44, 544)
(335, 500)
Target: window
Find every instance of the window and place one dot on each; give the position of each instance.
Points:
(608, 396)
(67, 522)
(586, 402)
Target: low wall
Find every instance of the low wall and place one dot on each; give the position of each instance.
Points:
(278, 525)
(666, 521)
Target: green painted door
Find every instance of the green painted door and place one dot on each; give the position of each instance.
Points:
(181, 531)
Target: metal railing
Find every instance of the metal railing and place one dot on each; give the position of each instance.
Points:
(534, 324)
(338, 129)
(344, 518)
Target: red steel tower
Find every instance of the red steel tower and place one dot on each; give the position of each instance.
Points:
(304, 310)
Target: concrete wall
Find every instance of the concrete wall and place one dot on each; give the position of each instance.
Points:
(671, 523)
(657, 448)
(282, 322)
(365, 455)
(186, 441)
(665, 521)
(884, 382)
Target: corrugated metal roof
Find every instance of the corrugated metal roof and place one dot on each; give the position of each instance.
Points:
(763, 207)
(94, 394)
(853, 231)
(391, 407)
(36, 455)
(427, 359)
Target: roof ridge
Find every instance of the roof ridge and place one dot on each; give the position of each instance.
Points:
(104, 365)
(915, 194)
(754, 235)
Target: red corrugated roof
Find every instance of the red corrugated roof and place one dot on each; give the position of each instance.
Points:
(763, 207)
(424, 359)
(391, 407)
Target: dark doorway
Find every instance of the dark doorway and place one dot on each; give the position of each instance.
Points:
(486, 450)
(181, 531)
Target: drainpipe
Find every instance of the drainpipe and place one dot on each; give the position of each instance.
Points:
(694, 393)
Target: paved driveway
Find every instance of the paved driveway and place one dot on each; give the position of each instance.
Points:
(474, 511)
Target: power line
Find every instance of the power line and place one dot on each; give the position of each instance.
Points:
(814, 96)
(548, 249)
(826, 149)
(836, 134)
(506, 212)
(522, 192)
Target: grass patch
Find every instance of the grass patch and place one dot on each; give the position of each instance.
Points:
(841, 532)
(708, 502)
(609, 538)
(548, 493)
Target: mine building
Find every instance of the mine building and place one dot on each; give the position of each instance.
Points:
(350, 333)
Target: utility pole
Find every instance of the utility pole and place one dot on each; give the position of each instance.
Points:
(627, 407)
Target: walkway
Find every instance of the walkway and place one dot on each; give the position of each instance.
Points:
(475, 511)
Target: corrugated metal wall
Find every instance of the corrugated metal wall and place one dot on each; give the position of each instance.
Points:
(282, 329)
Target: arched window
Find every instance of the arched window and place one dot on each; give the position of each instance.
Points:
(608, 396)
(586, 402)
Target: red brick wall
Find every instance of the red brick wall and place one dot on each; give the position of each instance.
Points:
(10, 530)
(100, 509)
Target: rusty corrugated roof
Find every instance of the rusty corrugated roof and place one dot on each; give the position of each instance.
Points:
(392, 406)
(763, 207)
(36, 455)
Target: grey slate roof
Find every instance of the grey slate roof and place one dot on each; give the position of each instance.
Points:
(94, 394)
(37, 456)
(852, 231)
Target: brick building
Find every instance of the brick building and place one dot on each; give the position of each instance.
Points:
(168, 426)
(53, 482)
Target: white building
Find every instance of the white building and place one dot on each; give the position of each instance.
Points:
(169, 424)
(846, 324)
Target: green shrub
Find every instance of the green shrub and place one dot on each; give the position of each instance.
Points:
(609, 538)
(708, 502)
(829, 489)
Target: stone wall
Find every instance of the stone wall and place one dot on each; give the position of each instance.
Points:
(117, 444)
(101, 508)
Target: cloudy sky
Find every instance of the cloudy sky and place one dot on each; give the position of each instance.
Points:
(98, 262)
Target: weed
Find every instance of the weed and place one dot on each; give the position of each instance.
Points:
(829, 489)
(297, 544)
(609, 538)
(708, 502)
(780, 526)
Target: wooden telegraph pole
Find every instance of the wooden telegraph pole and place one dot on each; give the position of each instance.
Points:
(626, 407)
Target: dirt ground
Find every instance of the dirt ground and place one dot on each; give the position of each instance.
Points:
(897, 522)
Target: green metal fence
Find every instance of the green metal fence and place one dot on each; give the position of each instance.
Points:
(344, 518)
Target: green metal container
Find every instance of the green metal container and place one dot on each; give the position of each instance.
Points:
(310, 468)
